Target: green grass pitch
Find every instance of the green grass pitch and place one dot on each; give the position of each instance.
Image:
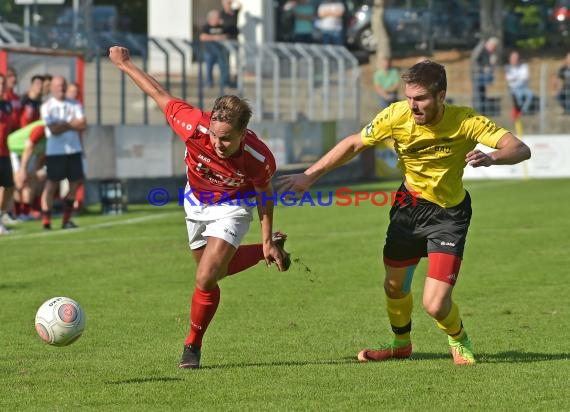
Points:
(288, 341)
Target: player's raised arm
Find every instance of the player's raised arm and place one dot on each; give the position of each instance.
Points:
(148, 84)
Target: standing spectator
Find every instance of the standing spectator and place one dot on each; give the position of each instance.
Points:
(330, 21)
(27, 150)
(64, 121)
(562, 85)
(29, 113)
(11, 96)
(225, 160)
(73, 94)
(31, 101)
(212, 33)
(386, 82)
(304, 12)
(517, 77)
(484, 59)
(229, 15)
(6, 174)
(46, 87)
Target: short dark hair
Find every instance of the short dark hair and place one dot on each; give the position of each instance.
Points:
(233, 110)
(428, 74)
(37, 77)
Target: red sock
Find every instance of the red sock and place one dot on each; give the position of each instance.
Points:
(245, 257)
(46, 217)
(204, 305)
(67, 210)
(17, 208)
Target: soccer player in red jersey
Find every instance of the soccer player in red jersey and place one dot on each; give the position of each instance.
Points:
(434, 142)
(229, 173)
(6, 174)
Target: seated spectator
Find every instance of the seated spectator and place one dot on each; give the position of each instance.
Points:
(386, 82)
(212, 33)
(562, 85)
(517, 77)
(330, 21)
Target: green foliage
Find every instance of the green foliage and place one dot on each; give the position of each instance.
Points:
(288, 341)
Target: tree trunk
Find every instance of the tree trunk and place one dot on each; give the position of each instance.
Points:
(492, 19)
(379, 31)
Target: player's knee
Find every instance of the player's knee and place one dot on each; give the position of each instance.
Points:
(393, 288)
(436, 308)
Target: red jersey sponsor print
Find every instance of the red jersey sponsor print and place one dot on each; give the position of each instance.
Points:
(252, 166)
(6, 126)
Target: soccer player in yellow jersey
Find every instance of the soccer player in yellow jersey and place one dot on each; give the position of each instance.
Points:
(434, 142)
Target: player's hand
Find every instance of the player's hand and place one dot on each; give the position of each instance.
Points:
(21, 178)
(119, 55)
(476, 158)
(298, 183)
(272, 254)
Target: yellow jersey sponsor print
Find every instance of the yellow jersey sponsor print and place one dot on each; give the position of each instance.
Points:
(432, 157)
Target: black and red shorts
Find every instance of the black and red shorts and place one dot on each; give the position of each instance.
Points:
(416, 230)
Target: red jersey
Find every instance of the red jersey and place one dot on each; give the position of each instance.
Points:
(208, 174)
(14, 100)
(29, 110)
(6, 126)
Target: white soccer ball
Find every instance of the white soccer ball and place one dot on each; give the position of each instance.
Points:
(60, 321)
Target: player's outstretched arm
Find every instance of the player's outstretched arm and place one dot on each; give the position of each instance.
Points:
(345, 150)
(148, 84)
(510, 150)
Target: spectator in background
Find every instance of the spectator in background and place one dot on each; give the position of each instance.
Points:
(229, 15)
(484, 59)
(64, 121)
(6, 174)
(27, 150)
(31, 101)
(330, 21)
(386, 82)
(46, 87)
(304, 12)
(562, 85)
(11, 96)
(73, 94)
(29, 113)
(517, 77)
(215, 53)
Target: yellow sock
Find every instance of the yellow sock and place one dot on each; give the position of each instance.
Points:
(400, 315)
(452, 323)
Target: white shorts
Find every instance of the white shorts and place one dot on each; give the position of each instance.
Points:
(229, 223)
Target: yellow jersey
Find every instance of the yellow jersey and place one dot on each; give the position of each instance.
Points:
(432, 157)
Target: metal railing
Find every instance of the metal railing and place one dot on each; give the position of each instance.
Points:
(283, 81)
